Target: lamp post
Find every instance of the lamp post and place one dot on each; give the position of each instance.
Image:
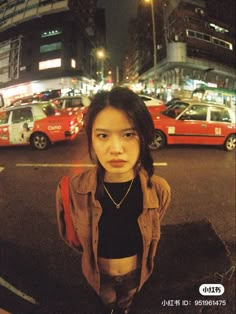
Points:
(101, 55)
(154, 44)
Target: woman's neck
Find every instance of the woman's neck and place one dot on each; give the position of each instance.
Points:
(119, 177)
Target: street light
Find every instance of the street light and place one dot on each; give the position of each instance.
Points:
(154, 44)
(101, 55)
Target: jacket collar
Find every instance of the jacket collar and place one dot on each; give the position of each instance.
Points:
(150, 199)
(89, 179)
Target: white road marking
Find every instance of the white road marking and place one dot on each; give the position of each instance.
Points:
(55, 165)
(1, 169)
(160, 164)
(21, 294)
(156, 164)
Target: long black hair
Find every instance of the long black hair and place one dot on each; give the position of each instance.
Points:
(126, 100)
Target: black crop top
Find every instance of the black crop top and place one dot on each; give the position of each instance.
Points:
(119, 233)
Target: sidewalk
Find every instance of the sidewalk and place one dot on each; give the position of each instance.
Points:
(188, 256)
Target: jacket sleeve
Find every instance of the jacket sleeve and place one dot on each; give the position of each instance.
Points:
(164, 197)
(61, 220)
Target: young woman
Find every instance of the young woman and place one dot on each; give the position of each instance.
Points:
(117, 206)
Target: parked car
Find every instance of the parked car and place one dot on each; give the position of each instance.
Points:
(195, 123)
(154, 105)
(38, 97)
(38, 125)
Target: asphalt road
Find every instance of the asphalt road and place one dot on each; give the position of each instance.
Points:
(39, 274)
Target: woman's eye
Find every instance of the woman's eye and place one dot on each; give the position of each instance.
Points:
(102, 135)
(130, 134)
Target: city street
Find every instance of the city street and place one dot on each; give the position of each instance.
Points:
(40, 274)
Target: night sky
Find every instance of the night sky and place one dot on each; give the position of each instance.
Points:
(118, 13)
(222, 9)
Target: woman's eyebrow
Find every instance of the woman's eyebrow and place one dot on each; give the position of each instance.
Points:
(101, 130)
(108, 130)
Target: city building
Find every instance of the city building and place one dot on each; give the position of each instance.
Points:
(47, 44)
(193, 47)
(131, 59)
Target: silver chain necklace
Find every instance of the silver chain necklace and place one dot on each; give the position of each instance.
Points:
(127, 192)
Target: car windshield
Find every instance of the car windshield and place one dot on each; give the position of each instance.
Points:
(175, 110)
(49, 109)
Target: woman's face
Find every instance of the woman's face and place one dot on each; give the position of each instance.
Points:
(116, 144)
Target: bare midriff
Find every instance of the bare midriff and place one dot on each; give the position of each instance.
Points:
(118, 266)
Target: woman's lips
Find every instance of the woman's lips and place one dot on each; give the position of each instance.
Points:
(117, 163)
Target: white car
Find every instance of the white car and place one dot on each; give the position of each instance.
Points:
(150, 101)
(154, 105)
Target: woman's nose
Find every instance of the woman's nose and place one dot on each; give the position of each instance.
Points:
(116, 145)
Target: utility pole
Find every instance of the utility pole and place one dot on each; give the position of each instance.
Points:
(117, 75)
(154, 45)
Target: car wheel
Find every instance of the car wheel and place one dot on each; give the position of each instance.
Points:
(159, 141)
(40, 141)
(230, 143)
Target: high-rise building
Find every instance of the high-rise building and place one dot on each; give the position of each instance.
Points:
(46, 44)
(193, 46)
(131, 60)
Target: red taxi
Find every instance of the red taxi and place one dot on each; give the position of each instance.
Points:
(195, 123)
(74, 104)
(38, 125)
